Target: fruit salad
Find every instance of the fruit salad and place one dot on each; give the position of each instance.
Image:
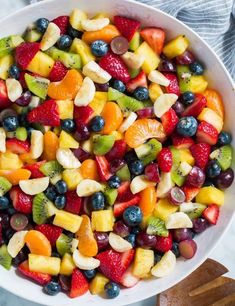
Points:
(113, 155)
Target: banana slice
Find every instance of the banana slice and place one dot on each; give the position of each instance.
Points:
(178, 220)
(84, 262)
(87, 187)
(34, 186)
(94, 24)
(118, 243)
(185, 168)
(133, 60)
(139, 183)
(86, 93)
(37, 144)
(67, 159)
(14, 89)
(164, 103)
(96, 73)
(165, 185)
(74, 245)
(50, 37)
(2, 140)
(128, 122)
(156, 76)
(16, 243)
(165, 266)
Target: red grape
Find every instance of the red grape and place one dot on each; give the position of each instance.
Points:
(196, 177)
(186, 58)
(176, 196)
(24, 99)
(65, 282)
(146, 241)
(225, 179)
(152, 172)
(19, 222)
(145, 112)
(119, 45)
(200, 225)
(181, 234)
(187, 248)
(121, 229)
(102, 240)
(167, 65)
(81, 154)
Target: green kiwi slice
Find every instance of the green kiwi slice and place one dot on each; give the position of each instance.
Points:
(5, 258)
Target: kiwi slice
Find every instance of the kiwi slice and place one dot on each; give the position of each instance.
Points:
(52, 169)
(110, 195)
(40, 208)
(129, 104)
(7, 44)
(124, 174)
(148, 151)
(135, 42)
(5, 258)
(193, 210)
(70, 60)
(32, 35)
(114, 95)
(184, 77)
(37, 85)
(156, 226)
(5, 186)
(224, 156)
(64, 244)
(177, 176)
(102, 144)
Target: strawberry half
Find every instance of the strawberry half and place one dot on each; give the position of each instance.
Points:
(190, 192)
(21, 201)
(120, 207)
(103, 168)
(165, 160)
(206, 132)
(4, 101)
(173, 87)
(129, 280)
(211, 213)
(113, 264)
(114, 65)
(124, 192)
(40, 278)
(82, 114)
(46, 114)
(73, 202)
(35, 169)
(17, 146)
(118, 150)
(196, 107)
(181, 142)
(62, 22)
(201, 153)
(155, 37)
(139, 80)
(57, 72)
(169, 121)
(25, 52)
(79, 284)
(164, 244)
(126, 26)
(52, 232)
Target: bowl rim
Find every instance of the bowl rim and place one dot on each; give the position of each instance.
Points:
(146, 295)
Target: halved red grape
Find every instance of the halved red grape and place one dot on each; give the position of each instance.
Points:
(116, 165)
(200, 225)
(187, 248)
(146, 241)
(185, 58)
(82, 132)
(86, 206)
(152, 172)
(24, 99)
(65, 282)
(121, 229)
(176, 196)
(145, 112)
(181, 234)
(81, 154)
(178, 107)
(167, 65)
(102, 240)
(102, 87)
(19, 222)
(225, 179)
(119, 45)
(196, 177)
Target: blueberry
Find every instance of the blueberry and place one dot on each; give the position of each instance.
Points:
(14, 72)
(188, 97)
(135, 230)
(99, 48)
(61, 187)
(130, 156)
(119, 85)
(97, 124)
(50, 193)
(157, 257)
(131, 238)
(187, 126)
(68, 125)
(52, 288)
(60, 201)
(132, 216)
(112, 290)
(114, 181)
(196, 68)
(4, 203)
(42, 24)
(224, 138)
(136, 167)
(74, 33)
(98, 201)
(175, 249)
(10, 124)
(141, 93)
(89, 274)
(213, 169)
(64, 42)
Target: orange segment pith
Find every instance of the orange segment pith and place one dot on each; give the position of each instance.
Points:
(38, 243)
(113, 117)
(214, 101)
(51, 144)
(106, 34)
(14, 176)
(89, 170)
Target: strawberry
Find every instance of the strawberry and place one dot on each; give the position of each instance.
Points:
(73, 202)
(79, 284)
(82, 114)
(113, 264)
(139, 80)
(206, 132)
(57, 72)
(155, 37)
(35, 169)
(190, 192)
(62, 22)
(114, 65)
(126, 26)
(120, 207)
(4, 101)
(46, 114)
(165, 160)
(124, 192)
(173, 87)
(25, 52)
(196, 107)
(129, 280)
(103, 168)
(17, 146)
(40, 278)
(21, 201)
(201, 153)
(164, 244)
(211, 213)
(182, 142)
(118, 150)
(169, 121)
(52, 232)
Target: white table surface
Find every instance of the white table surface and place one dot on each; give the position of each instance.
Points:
(224, 252)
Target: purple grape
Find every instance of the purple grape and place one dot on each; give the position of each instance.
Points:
(196, 177)
(116, 164)
(176, 196)
(225, 179)
(185, 58)
(65, 282)
(181, 234)
(21, 256)
(24, 99)
(200, 225)
(102, 87)
(121, 229)
(102, 240)
(119, 45)
(82, 132)
(81, 154)
(19, 222)
(86, 206)
(5, 221)
(187, 248)
(178, 107)
(8, 112)
(167, 65)
(145, 112)
(146, 241)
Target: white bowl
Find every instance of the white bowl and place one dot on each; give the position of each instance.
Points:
(219, 79)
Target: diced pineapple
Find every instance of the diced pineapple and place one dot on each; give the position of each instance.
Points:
(87, 145)
(186, 156)
(117, 135)
(67, 221)
(80, 47)
(41, 64)
(151, 61)
(72, 178)
(98, 103)
(198, 83)
(10, 161)
(176, 46)
(164, 208)
(67, 265)
(102, 220)
(97, 284)
(210, 195)
(143, 262)
(5, 63)
(65, 109)
(155, 91)
(44, 264)
(211, 117)
(66, 141)
(76, 18)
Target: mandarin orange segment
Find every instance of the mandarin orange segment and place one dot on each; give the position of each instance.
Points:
(67, 88)
(143, 129)
(14, 176)
(87, 244)
(89, 170)
(27, 158)
(214, 101)
(113, 117)
(106, 34)
(51, 144)
(38, 243)
(148, 200)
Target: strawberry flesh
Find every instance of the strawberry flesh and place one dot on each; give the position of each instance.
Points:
(35, 169)
(173, 87)
(139, 81)
(190, 192)
(211, 213)
(57, 72)
(118, 150)
(155, 37)
(165, 160)
(25, 52)
(40, 278)
(103, 168)
(207, 133)
(52, 232)
(196, 107)
(164, 244)
(169, 121)
(21, 201)
(4, 101)
(17, 146)
(126, 26)
(82, 114)
(73, 202)
(79, 284)
(182, 142)
(120, 207)
(62, 22)
(201, 153)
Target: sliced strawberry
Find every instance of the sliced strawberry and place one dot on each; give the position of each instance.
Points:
(21, 201)
(113, 264)
(52, 232)
(206, 132)
(181, 142)
(17, 146)
(62, 22)
(139, 80)
(201, 153)
(196, 107)
(164, 244)
(165, 160)
(129, 280)
(73, 202)
(79, 284)
(82, 114)
(58, 72)
(40, 278)
(190, 192)
(4, 101)
(169, 121)
(103, 168)
(118, 150)
(126, 26)
(35, 169)
(46, 114)
(120, 207)
(114, 65)
(211, 213)
(173, 87)
(124, 192)
(25, 52)
(155, 37)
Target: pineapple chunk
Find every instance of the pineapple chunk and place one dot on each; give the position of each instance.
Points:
(164, 208)
(155, 91)
(10, 161)
(98, 283)
(65, 109)
(176, 46)
(102, 220)
(87, 145)
(151, 61)
(80, 47)
(211, 117)
(67, 221)
(5, 63)
(117, 135)
(72, 178)
(66, 141)
(198, 84)
(143, 262)
(44, 264)
(186, 156)
(67, 265)
(210, 195)
(76, 18)
(99, 101)
(41, 64)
